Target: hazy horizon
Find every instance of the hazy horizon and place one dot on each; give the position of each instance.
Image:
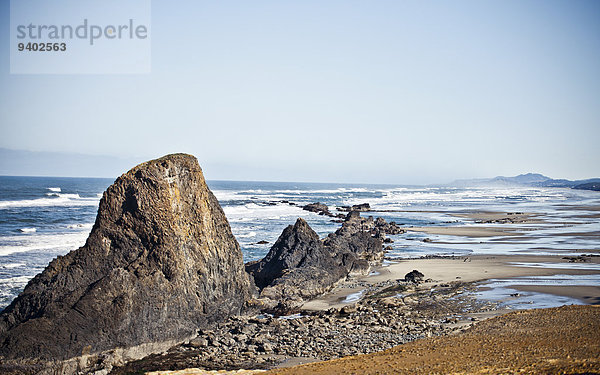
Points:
(333, 91)
(48, 165)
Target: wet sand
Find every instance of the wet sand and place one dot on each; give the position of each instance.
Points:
(466, 269)
(481, 230)
(467, 231)
(488, 216)
(480, 267)
(517, 223)
(588, 294)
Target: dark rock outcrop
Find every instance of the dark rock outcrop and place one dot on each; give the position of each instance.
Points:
(318, 208)
(414, 276)
(390, 228)
(363, 207)
(298, 266)
(362, 236)
(159, 263)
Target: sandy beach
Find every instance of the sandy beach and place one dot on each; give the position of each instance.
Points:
(467, 231)
(471, 269)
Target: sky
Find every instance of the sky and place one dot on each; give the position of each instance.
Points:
(402, 92)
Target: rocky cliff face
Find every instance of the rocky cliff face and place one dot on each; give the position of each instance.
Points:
(159, 263)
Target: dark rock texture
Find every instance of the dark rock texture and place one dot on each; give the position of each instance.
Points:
(159, 263)
(387, 228)
(318, 208)
(414, 276)
(298, 266)
(357, 236)
(363, 207)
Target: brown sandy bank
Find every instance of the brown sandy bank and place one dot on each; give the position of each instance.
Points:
(549, 341)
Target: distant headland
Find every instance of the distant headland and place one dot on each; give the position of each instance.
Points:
(530, 179)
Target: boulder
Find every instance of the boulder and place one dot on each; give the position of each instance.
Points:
(414, 276)
(363, 207)
(319, 208)
(159, 263)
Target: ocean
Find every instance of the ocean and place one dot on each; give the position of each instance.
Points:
(43, 217)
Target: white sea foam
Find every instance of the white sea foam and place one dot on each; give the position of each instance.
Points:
(27, 230)
(55, 189)
(247, 235)
(87, 226)
(41, 242)
(440, 196)
(255, 212)
(283, 194)
(57, 200)
(8, 285)
(242, 195)
(17, 279)
(64, 195)
(11, 265)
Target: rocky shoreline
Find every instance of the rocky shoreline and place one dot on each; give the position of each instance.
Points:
(161, 285)
(389, 314)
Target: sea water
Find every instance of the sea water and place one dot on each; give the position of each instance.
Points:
(43, 217)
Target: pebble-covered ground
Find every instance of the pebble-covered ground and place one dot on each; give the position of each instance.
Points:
(391, 314)
(563, 340)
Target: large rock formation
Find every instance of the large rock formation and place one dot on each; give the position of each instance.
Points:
(297, 267)
(300, 266)
(159, 263)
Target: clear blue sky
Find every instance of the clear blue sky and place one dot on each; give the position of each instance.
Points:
(352, 91)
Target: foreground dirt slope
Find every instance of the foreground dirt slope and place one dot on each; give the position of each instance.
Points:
(549, 341)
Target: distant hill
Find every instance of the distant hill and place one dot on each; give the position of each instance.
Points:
(529, 179)
(588, 186)
(522, 179)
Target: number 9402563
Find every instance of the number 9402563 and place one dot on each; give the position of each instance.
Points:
(47, 47)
